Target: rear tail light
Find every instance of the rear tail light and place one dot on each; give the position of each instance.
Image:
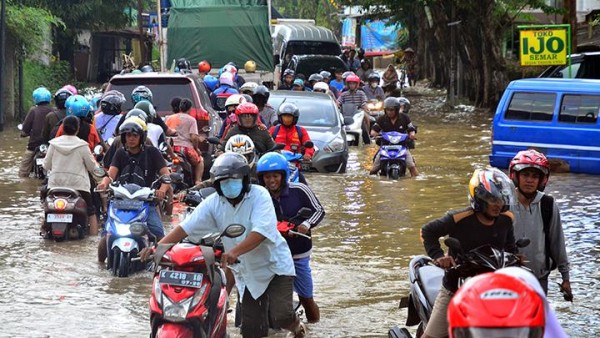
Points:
(199, 114)
(60, 204)
(176, 160)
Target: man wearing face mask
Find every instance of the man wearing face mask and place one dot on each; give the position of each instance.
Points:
(372, 89)
(260, 259)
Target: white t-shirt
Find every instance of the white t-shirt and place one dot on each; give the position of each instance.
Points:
(154, 132)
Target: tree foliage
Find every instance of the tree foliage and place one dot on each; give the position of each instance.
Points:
(324, 12)
(30, 26)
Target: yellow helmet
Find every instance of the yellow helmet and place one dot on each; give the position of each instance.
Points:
(250, 66)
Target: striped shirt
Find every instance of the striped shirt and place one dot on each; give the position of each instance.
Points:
(358, 97)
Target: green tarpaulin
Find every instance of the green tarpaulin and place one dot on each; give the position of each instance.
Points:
(220, 31)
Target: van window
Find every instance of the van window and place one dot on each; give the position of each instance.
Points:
(531, 107)
(579, 109)
(313, 48)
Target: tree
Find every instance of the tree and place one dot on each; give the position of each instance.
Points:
(323, 12)
(477, 44)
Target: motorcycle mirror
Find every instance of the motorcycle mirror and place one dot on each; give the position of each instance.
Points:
(308, 144)
(166, 179)
(206, 129)
(278, 146)
(98, 150)
(213, 140)
(161, 249)
(305, 212)
(110, 141)
(523, 242)
(20, 126)
(348, 120)
(176, 177)
(453, 244)
(99, 172)
(234, 230)
(162, 147)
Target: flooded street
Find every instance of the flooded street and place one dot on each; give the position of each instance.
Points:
(361, 249)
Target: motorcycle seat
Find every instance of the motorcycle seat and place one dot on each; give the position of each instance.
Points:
(431, 280)
(63, 191)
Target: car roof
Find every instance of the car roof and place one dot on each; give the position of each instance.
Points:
(304, 32)
(553, 84)
(154, 75)
(299, 94)
(316, 56)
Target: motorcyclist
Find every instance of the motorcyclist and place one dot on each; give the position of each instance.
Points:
(357, 97)
(107, 120)
(288, 80)
(232, 68)
(247, 116)
(299, 86)
(338, 82)
(272, 172)
(365, 70)
(289, 132)
(322, 87)
(314, 78)
(230, 105)
(139, 164)
(394, 120)
(486, 221)
(143, 93)
(372, 89)
(155, 133)
(538, 218)
(77, 105)
(184, 66)
(211, 83)
(226, 88)
(68, 162)
(51, 121)
(265, 272)
(33, 127)
(248, 88)
(260, 98)
(327, 79)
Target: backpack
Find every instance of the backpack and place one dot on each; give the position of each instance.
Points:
(278, 127)
(547, 208)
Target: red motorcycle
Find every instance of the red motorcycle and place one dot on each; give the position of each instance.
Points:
(189, 298)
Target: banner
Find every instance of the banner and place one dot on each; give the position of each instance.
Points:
(543, 47)
(377, 38)
(349, 32)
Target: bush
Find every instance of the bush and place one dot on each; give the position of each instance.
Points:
(36, 74)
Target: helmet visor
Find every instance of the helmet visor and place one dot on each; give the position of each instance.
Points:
(499, 332)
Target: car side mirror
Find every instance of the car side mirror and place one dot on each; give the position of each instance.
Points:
(523, 242)
(348, 120)
(98, 150)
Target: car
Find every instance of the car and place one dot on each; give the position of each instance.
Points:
(164, 87)
(310, 64)
(320, 116)
(583, 66)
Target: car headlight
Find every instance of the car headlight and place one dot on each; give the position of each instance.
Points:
(122, 229)
(336, 145)
(175, 312)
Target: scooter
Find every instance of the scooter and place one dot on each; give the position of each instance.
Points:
(65, 215)
(189, 296)
(357, 128)
(127, 227)
(295, 158)
(426, 279)
(393, 154)
(40, 155)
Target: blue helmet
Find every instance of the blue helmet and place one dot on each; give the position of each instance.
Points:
(95, 102)
(77, 105)
(41, 95)
(270, 162)
(211, 82)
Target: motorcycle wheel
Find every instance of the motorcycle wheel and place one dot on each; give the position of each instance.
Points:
(116, 260)
(394, 173)
(124, 263)
(365, 134)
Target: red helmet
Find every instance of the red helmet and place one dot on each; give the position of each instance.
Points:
(496, 305)
(204, 66)
(246, 108)
(529, 158)
(352, 78)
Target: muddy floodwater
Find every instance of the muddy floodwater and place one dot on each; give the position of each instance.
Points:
(361, 249)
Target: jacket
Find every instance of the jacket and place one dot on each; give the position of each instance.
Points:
(34, 125)
(289, 136)
(69, 160)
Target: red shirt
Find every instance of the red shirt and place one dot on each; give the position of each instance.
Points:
(289, 136)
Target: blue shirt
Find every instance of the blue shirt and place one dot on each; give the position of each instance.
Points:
(255, 211)
(106, 125)
(338, 85)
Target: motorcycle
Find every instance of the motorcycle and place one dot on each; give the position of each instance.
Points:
(126, 226)
(393, 154)
(357, 128)
(426, 279)
(194, 197)
(189, 296)
(375, 109)
(295, 158)
(40, 155)
(65, 215)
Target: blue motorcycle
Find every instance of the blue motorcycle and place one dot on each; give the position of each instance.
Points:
(296, 162)
(392, 154)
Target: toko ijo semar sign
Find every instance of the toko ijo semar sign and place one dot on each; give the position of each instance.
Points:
(543, 47)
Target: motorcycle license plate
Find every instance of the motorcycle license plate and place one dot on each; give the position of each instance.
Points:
(178, 278)
(39, 161)
(305, 166)
(59, 218)
(128, 204)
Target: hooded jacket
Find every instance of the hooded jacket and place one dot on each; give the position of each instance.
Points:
(68, 160)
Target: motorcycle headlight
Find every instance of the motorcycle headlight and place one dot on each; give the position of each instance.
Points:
(122, 229)
(336, 145)
(176, 312)
(137, 229)
(395, 139)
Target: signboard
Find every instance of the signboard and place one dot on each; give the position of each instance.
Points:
(377, 37)
(349, 32)
(544, 46)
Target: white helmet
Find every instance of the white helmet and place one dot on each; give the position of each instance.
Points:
(234, 100)
(321, 86)
(248, 86)
(226, 78)
(242, 144)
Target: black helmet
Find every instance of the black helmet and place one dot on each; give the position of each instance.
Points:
(139, 113)
(111, 102)
(289, 71)
(325, 74)
(148, 108)
(373, 77)
(288, 109)
(391, 102)
(315, 77)
(184, 64)
(147, 69)
(60, 97)
(230, 165)
(132, 125)
(141, 93)
(185, 105)
(402, 101)
(261, 91)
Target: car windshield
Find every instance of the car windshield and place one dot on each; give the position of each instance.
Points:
(313, 112)
(308, 66)
(163, 90)
(313, 48)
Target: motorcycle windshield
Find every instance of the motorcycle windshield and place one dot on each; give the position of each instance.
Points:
(499, 332)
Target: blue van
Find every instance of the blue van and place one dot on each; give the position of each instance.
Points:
(558, 117)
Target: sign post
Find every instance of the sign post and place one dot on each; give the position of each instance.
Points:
(545, 45)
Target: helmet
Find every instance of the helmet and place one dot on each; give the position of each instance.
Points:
(138, 113)
(147, 69)
(248, 87)
(321, 86)
(146, 107)
(246, 108)
(353, 78)
(211, 82)
(496, 305)
(530, 159)
(272, 162)
(248, 98)
(261, 91)
(229, 68)
(41, 95)
(315, 77)
(111, 102)
(391, 102)
(95, 102)
(325, 74)
(204, 66)
(490, 185)
(230, 165)
(226, 78)
(250, 66)
(71, 89)
(141, 93)
(184, 64)
(135, 71)
(133, 124)
(346, 74)
(288, 109)
(402, 101)
(289, 71)
(235, 100)
(242, 144)
(373, 77)
(60, 97)
(298, 82)
(78, 106)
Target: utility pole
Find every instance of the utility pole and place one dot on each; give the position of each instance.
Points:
(160, 37)
(2, 52)
(140, 9)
